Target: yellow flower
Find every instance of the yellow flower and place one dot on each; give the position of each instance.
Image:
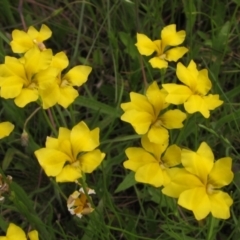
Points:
(78, 203)
(194, 94)
(149, 164)
(5, 129)
(16, 233)
(62, 91)
(197, 186)
(22, 78)
(24, 41)
(71, 154)
(169, 37)
(144, 113)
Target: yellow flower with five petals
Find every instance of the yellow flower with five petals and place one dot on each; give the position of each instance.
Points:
(194, 93)
(71, 154)
(197, 185)
(22, 78)
(149, 164)
(24, 41)
(144, 113)
(169, 37)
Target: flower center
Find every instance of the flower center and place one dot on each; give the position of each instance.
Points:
(162, 56)
(32, 86)
(210, 189)
(158, 123)
(40, 45)
(64, 83)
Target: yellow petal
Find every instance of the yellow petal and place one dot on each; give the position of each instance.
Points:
(69, 174)
(150, 173)
(64, 134)
(44, 33)
(158, 45)
(170, 37)
(175, 53)
(138, 102)
(154, 148)
(137, 157)
(78, 75)
(220, 204)
(32, 32)
(205, 151)
(172, 156)
(26, 96)
(181, 180)
(15, 67)
(156, 97)
(212, 101)
(197, 200)
(11, 87)
(177, 94)
(188, 75)
(5, 129)
(21, 41)
(158, 135)
(15, 232)
(196, 164)
(35, 61)
(145, 45)
(51, 160)
(49, 96)
(67, 96)
(52, 143)
(91, 160)
(173, 119)
(203, 82)
(196, 103)
(82, 139)
(46, 78)
(33, 235)
(221, 173)
(60, 60)
(157, 62)
(140, 121)
(66, 147)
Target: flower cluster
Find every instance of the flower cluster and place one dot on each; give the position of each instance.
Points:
(37, 75)
(192, 177)
(40, 76)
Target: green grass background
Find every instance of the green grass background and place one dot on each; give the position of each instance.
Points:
(102, 34)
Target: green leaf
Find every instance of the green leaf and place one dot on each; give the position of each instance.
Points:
(98, 106)
(127, 182)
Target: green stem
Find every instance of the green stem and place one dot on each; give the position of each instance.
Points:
(212, 225)
(50, 123)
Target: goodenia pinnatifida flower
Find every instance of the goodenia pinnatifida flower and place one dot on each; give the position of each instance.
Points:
(145, 114)
(71, 154)
(23, 41)
(169, 38)
(194, 94)
(21, 79)
(197, 185)
(152, 162)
